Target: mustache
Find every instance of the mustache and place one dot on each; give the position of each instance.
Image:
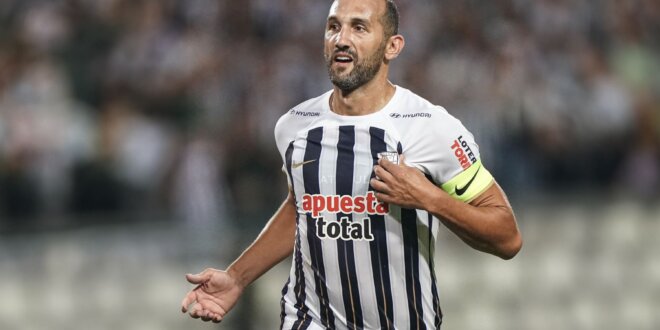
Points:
(346, 50)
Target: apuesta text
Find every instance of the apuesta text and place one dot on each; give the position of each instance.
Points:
(343, 228)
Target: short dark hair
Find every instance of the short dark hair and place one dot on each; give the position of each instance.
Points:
(390, 19)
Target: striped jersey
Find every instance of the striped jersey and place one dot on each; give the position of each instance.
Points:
(359, 263)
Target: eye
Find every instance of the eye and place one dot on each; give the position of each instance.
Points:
(333, 27)
(360, 28)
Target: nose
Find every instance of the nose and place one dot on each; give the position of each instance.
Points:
(343, 38)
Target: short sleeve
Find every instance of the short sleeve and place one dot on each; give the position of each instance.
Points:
(456, 165)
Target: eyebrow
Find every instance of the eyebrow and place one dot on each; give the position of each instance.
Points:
(354, 20)
(358, 20)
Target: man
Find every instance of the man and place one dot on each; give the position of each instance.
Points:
(373, 171)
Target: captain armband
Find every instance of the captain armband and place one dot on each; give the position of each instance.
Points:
(470, 183)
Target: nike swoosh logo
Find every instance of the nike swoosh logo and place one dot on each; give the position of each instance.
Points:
(461, 191)
(296, 165)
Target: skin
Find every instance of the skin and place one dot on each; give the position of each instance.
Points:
(356, 26)
(487, 223)
(217, 291)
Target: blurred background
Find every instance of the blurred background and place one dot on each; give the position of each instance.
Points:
(136, 145)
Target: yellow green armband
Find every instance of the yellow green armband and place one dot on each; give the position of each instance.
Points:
(470, 183)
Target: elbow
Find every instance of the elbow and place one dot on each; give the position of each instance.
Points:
(511, 248)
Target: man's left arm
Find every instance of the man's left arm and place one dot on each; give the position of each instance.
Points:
(486, 223)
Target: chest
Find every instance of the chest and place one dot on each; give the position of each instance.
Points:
(338, 159)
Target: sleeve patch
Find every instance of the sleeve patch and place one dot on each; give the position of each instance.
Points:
(470, 183)
(463, 153)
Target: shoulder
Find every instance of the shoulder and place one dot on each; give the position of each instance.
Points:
(433, 138)
(299, 117)
(419, 115)
(304, 112)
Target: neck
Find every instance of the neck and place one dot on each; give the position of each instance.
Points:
(367, 99)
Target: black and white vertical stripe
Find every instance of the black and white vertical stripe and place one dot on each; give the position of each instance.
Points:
(345, 251)
(285, 289)
(312, 186)
(378, 247)
(299, 288)
(437, 312)
(411, 260)
(386, 283)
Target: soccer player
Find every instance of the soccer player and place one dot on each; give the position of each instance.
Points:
(374, 171)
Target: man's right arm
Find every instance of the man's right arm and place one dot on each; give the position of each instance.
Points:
(274, 244)
(217, 291)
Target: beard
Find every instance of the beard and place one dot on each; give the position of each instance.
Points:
(364, 70)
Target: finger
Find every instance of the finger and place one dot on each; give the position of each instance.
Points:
(383, 161)
(217, 318)
(187, 300)
(379, 186)
(195, 311)
(384, 198)
(201, 277)
(388, 165)
(204, 315)
(383, 174)
(213, 307)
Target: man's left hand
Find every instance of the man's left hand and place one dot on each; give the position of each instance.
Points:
(401, 184)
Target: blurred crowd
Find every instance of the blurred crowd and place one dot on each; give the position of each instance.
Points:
(168, 106)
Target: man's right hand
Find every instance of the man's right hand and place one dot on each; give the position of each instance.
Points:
(217, 291)
(215, 294)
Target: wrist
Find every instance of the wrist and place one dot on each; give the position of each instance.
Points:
(238, 276)
(432, 200)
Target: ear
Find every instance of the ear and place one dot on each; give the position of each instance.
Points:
(394, 47)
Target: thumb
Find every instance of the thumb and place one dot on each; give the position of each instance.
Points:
(200, 278)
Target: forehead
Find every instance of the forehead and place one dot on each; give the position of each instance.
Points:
(364, 9)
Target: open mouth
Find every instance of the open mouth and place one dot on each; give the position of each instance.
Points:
(343, 58)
